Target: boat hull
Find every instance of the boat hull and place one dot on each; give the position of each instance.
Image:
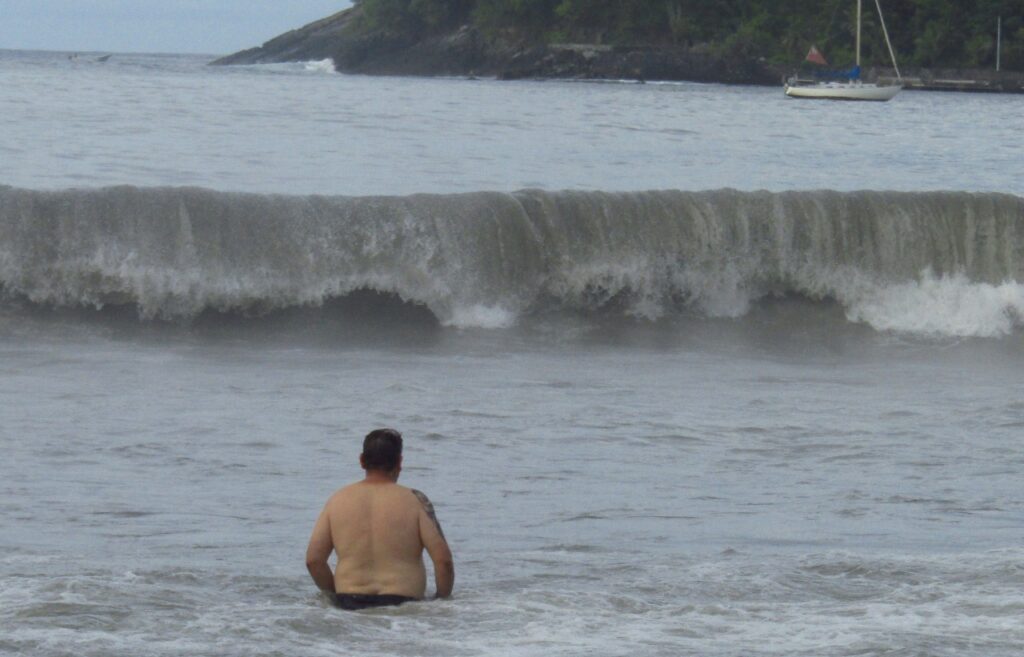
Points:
(843, 91)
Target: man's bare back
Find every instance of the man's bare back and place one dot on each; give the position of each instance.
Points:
(379, 531)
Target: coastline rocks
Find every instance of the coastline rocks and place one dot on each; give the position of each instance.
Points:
(635, 63)
(465, 51)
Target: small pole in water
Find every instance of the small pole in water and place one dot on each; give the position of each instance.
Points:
(999, 42)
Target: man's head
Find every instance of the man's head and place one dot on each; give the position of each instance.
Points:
(382, 451)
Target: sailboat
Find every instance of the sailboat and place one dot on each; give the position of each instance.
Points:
(852, 88)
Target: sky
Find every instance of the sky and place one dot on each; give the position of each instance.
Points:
(164, 26)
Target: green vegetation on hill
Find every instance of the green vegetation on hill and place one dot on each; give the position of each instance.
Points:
(927, 33)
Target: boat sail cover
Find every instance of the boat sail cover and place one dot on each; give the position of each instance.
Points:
(814, 56)
(849, 74)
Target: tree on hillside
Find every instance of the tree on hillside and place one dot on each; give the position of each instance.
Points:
(932, 33)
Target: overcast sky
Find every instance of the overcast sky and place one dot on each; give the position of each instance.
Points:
(193, 26)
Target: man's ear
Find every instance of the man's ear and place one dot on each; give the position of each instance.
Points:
(362, 462)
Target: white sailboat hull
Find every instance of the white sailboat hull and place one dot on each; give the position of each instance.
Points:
(853, 89)
(843, 91)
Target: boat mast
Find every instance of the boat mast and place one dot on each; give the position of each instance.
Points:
(892, 53)
(999, 41)
(858, 31)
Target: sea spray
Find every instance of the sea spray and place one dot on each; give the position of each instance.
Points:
(320, 66)
(933, 262)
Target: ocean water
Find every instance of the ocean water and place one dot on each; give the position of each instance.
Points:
(686, 369)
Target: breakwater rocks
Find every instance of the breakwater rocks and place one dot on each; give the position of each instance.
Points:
(953, 79)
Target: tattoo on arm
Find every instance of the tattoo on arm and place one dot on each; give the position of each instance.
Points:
(429, 508)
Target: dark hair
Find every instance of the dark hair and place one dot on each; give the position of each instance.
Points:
(382, 449)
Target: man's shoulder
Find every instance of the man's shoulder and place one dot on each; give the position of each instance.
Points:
(405, 490)
(347, 489)
(360, 488)
(423, 499)
(428, 507)
(414, 494)
(345, 492)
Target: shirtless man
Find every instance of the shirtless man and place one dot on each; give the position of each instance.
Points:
(379, 531)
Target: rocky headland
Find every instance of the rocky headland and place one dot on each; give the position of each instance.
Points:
(467, 51)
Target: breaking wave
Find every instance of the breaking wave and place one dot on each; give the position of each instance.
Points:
(320, 66)
(935, 263)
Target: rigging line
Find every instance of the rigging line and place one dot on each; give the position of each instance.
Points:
(878, 3)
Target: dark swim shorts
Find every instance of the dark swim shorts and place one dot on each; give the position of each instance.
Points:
(354, 601)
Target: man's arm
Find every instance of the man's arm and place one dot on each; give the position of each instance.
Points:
(437, 547)
(320, 547)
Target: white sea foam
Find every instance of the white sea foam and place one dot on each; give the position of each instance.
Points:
(943, 306)
(487, 317)
(320, 66)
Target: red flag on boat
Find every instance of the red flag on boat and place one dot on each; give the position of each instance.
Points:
(814, 56)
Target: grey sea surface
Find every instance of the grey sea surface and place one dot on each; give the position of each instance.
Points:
(302, 129)
(817, 460)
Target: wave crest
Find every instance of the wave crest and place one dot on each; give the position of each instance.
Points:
(944, 263)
